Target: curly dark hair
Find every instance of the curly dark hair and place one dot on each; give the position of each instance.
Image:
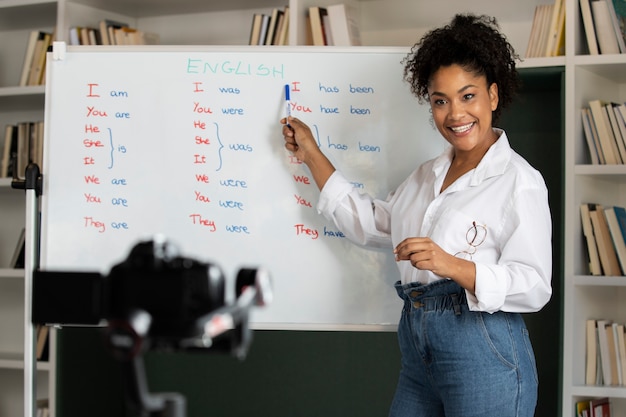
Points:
(473, 42)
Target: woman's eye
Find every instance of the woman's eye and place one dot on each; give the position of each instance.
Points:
(468, 96)
(440, 102)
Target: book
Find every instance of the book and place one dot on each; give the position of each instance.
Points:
(17, 259)
(621, 350)
(606, 251)
(344, 25)
(28, 57)
(539, 31)
(591, 137)
(595, 267)
(272, 26)
(607, 40)
(600, 407)
(617, 229)
(553, 28)
(545, 29)
(582, 408)
(104, 32)
(279, 27)
(255, 30)
(603, 344)
(8, 150)
(590, 30)
(39, 58)
(605, 136)
(559, 44)
(591, 352)
(328, 36)
(619, 121)
(612, 345)
(265, 21)
(615, 130)
(283, 36)
(316, 14)
(42, 341)
(618, 365)
(534, 32)
(617, 10)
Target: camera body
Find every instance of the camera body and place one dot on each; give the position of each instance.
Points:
(155, 298)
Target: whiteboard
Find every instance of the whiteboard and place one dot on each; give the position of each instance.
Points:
(185, 142)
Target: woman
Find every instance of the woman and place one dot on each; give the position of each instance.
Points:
(471, 233)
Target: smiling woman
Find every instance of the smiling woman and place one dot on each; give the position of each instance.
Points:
(475, 251)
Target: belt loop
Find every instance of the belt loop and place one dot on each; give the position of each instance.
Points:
(455, 304)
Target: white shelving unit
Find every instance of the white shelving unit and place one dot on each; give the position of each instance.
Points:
(382, 23)
(587, 78)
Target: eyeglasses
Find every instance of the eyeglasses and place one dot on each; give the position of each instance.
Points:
(475, 236)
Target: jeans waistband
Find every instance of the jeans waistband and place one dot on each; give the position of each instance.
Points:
(444, 294)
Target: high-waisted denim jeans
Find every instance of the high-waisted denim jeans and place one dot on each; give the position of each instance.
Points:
(460, 363)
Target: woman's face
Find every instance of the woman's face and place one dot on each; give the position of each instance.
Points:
(461, 104)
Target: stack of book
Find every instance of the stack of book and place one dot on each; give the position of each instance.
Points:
(604, 125)
(272, 29)
(547, 34)
(596, 407)
(334, 25)
(34, 64)
(605, 362)
(23, 144)
(604, 22)
(110, 32)
(604, 230)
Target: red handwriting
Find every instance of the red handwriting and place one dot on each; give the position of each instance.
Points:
(295, 85)
(197, 108)
(299, 107)
(92, 199)
(294, 160)
(91, 90)
(303, 179)
(98, 225)
(88, 143)
(302, 201)
(93, 112)
(202, 178)
(92, 179)
(201, 197)
(197, 87)
(202, 141)
(197, 219)
(305, 231)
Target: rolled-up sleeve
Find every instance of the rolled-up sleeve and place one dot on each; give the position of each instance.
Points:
(521, 279)
(364, 220)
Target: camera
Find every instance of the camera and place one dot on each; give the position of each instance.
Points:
(154, 299)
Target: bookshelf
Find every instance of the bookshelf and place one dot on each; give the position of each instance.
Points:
(382, 23)
(588, 77)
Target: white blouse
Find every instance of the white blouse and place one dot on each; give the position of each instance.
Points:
(498, 212)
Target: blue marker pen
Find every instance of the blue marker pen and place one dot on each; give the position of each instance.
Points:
(288, 103)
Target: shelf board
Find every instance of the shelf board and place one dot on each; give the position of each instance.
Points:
(22, 98)
(598, 391)
(11, 273)
(600, 170)
(600, 281)
(16, 361)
